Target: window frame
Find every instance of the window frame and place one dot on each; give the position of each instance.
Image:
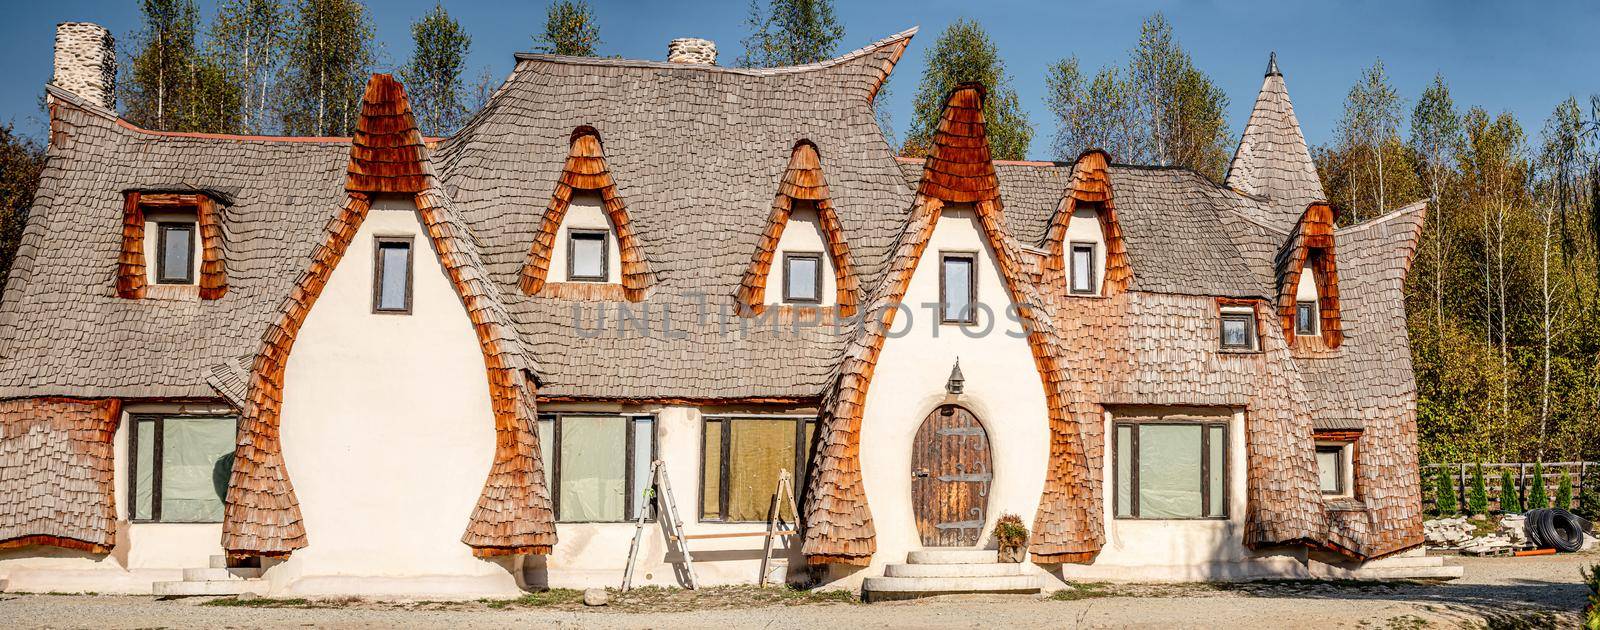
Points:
(1340, 471)
(377, 273)
(630, 493)
(159, 420)
(1314, 320)
(971, 317)
(162, 227)
(797, 474)
(1205, 425)
(604, 236)
(816, 258)
(1072, 267)
(1246, 314)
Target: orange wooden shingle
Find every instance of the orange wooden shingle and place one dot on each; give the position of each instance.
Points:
(131, 270)
(586, 170)
(1312, 242)
(1091, 189)
(802, 181)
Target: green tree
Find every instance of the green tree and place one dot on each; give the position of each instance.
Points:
(1510, 501)
(963, 53)
(1370, 170)
(569, 29)
(790, 33)
(1444, 492)
(330, 52)
(1095, 113)
(433, 76)
(1589, 498)
(164, 54)
(21, 162)
(250, 36)
(1478, 494)
(1564, 491)
(1435, 140)
(1538, 499)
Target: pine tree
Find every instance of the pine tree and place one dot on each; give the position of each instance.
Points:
(250, 35)
(329, 54)
(1564, 491)
(963, 53)
(1478, 495)
(1589, 498)
(21, 162)
(790, 33)
(569, 29)
(1510, 501)
(161, 64)
(433, 76)
(1444, 492)
(1537, 498)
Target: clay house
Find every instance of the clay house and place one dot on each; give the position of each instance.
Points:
(397, 365)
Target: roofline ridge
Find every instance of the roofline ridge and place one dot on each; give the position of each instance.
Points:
(1384, 218)
(662, 65)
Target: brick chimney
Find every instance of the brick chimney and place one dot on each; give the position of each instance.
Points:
(692, 50)
(86, 62)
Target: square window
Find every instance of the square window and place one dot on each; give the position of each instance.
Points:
(391, 275)
(958, 288)
(1305, 318)
(1083, 263)
(1171, 469)
(175, 253)
(802, 277)
(179, 467)
(587, 256)
(599, 465)
(743, 458)
(1238, 329)
(1330, 468)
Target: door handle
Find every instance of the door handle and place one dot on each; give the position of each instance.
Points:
(920, 473)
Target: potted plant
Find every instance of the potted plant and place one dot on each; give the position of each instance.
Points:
(1012, 538)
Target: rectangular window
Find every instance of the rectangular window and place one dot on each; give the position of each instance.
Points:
(802, 277)
(175, 253)
(1171, 469)
(742, 460)
(1330, 468)
(958, 288)
(391, 275)
(587, 255)
(1238, 328)
(599, 464)
(1083, 260)
(179, 467)
(1305, 318)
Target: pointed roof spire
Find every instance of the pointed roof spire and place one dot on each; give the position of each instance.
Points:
(1273, 160)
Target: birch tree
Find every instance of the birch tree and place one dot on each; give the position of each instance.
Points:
(329, 53)
(1435, 139)
(433, 75)
(569, 29)
(164, 52)
(250, 35)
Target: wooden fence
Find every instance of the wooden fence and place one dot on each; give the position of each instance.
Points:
(1521, 473)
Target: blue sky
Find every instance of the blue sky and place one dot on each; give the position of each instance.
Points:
(1498, 55)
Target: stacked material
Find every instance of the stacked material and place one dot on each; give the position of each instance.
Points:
(1447, 532)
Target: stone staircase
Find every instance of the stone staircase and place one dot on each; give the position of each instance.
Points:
(1408, 566)
(949, 571)
(217, 579)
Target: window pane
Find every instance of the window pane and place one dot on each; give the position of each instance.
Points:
(957, 287)
(1082, 269)
(1235, 332)
(801, 275)
(592, 467)
(196, 460)
(757, 450)
(644, 431)
(1305, 316)
(396, 261)
(588, 255)
(178, 256)
(547, 447)
(144, 463)
(1218, 465)
(1169, 471)
(1124, 469)
(711, 473)
(806, 442)
(1328, 469)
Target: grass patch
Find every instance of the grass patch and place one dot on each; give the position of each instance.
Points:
(555, 597)
(1082, 590)
(275, 602)
(660, 599)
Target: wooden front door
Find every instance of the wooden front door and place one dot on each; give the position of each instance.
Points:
(950, 477)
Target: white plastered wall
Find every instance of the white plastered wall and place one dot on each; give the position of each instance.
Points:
(1085, 228)
(143, 553)
(388, 433)
(803, 233)
(586, 212)
(1306, 291)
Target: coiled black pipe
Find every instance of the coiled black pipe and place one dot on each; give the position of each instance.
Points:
(1554, 528)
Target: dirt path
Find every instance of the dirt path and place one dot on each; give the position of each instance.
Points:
(1522, 592)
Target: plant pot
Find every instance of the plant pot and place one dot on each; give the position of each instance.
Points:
(1016, 553)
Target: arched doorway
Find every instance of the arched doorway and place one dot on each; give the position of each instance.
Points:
(950, 478)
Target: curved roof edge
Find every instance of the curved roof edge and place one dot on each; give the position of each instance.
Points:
(759, 72)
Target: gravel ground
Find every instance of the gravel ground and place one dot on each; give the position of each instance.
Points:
(1536, 592)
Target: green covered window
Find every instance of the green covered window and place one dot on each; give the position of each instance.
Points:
(1171, 468)
(179, 469)
(598, 464)
(743, 457)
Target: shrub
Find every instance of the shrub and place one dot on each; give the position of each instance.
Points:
(1564, 491)
(1510, 502)
(1444, 492)
(1009, 531)
(1478, 494)
(1537, 497)
(1591, 611)
(1589, 499)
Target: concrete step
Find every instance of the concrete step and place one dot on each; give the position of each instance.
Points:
(953, 570)
(1441, 572)
(953, 556)
(220, 575)
(219, 562)
(208, 587)
(1396, 562)
(875, 589)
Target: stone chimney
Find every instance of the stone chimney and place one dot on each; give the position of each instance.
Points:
(86, 62)
(692, 50)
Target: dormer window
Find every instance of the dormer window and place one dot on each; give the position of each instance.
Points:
(1238, 328)
(175, 252)
(171, 247)
(802, 277)
(1083, 268)
(587, 254)
(1305, 318)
